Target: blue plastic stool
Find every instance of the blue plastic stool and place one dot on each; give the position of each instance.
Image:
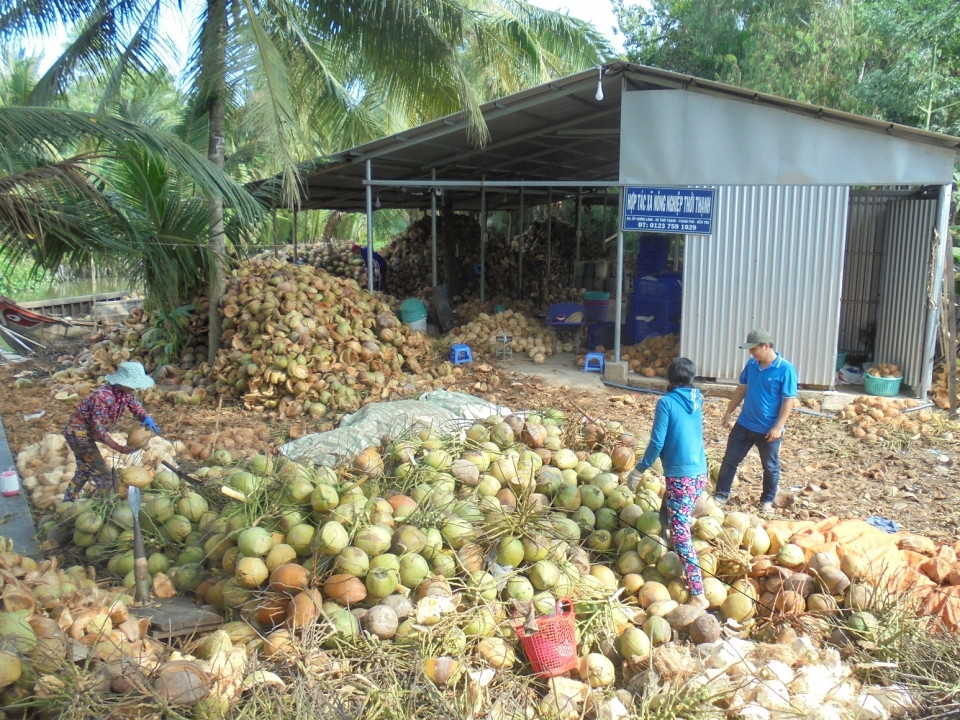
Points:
(460, 354)
(593, 363)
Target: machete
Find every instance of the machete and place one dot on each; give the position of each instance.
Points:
(140, 572)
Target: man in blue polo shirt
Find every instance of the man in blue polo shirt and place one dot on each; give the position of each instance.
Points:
(768, 390)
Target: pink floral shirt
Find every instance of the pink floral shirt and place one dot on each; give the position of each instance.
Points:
(101, 410)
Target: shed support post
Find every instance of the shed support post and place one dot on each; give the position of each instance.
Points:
(483, 243)
(369, 227)
(619, 307)
(433, 227)
(936, 289)
(579, 213)
(520, 251)
(549, 230)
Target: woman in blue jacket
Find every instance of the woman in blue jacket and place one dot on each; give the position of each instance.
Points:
(677, 439)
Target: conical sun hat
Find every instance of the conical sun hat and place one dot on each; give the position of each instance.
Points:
(131, 375)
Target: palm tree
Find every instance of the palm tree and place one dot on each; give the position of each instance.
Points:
(310, 73)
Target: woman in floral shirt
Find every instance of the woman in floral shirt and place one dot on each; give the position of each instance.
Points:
(94, 418)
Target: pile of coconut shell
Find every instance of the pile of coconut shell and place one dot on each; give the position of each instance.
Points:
(334, 256)
(871, 418)
(302, 341)
(528, 335)
(47, 467)
(63, 632)
(132, 340)
(651, 356)
(939, 391)
(409, 256)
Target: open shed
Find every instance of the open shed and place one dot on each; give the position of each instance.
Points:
(829, 229)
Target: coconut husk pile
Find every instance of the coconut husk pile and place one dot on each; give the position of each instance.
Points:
(302, 341)
(528, 334)
(68, 638)
(138, 338)
(650, 357)
(563, 252)
(334, 256)
(409, 261)
(939, 391)
(47, 467)
(872, 418)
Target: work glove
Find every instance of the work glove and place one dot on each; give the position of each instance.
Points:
(633, 479)
(150, 424)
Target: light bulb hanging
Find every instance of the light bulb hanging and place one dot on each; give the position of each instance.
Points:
(599, 95)
(377, 204)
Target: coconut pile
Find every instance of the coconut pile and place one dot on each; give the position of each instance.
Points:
(304, 342)
(47, 467)
(939, 390)
(871, 418)
(428, 544)
(334, 256)
(410, 263)
(650, 357)
(63, 627)
(527, 335)
(132, 340)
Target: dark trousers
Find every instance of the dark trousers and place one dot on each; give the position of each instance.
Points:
(738, 445)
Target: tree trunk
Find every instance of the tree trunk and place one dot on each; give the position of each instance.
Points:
(451, 266)
(213, 66)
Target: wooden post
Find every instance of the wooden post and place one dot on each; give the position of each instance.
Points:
(950, 321)
(93, 291)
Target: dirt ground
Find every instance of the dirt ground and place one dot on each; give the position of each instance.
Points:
(825, 471)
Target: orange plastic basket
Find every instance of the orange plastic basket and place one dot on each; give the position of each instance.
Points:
(552, 650)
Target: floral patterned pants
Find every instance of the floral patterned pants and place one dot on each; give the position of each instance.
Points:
(680, 497)
(90, 464)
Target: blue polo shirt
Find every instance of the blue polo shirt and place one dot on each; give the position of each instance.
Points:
(766, 391)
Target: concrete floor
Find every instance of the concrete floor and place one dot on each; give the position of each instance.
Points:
(561, 371)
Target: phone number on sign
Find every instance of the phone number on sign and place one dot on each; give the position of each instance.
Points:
(649, 225)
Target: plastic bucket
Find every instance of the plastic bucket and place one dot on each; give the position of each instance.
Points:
(420, 324)
(552, 650)
(595, 311)
(841, 360)
(412, 310)
(9, 483)
(596, 295)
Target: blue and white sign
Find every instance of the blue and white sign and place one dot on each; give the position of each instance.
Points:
(668, 210)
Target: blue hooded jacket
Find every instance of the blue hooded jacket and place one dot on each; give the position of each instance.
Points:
(677, 435)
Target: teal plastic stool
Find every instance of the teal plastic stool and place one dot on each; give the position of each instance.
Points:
(593, 363)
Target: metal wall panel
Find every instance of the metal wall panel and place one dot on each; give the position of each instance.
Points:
(909, 247)
(866, 225)
(774, 260)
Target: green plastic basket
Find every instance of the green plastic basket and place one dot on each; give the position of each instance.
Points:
(881, 386)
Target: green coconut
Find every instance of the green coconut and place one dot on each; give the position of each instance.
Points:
(634, 642)
(254, 542)
(658, 630)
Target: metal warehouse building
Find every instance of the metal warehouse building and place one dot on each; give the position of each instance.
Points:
(829, 229)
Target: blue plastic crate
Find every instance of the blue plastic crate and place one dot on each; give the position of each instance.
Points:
(653, 308)
(600, 333)
(653, 254)
(664, 288)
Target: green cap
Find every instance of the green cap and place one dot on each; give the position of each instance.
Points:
(757, 337)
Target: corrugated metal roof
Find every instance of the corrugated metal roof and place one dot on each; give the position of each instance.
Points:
(556, 132)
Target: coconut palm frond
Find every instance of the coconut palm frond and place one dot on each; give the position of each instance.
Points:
(45, 130)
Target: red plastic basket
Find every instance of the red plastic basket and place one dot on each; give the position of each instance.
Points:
(552, 650)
